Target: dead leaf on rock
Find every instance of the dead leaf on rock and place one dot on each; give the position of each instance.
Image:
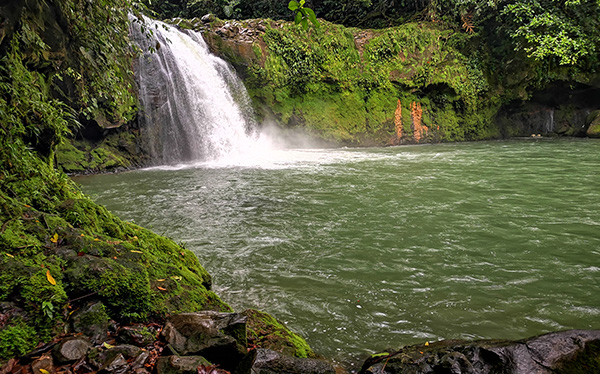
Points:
(50, 278)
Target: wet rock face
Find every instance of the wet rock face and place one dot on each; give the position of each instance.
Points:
(92, 321)
(557, 110)
(545, 354)
(593, 124)
(180, 365)
(266, 361)
(71, 349)
(219, 337)
(136, 334)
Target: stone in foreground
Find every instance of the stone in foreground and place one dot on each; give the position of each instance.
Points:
(266, 361)
(573, 351)
(219, 337)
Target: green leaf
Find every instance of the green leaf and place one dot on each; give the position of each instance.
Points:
(312, 17)
(302, 3)
(298, 18)
(380, 354)
(293, 5)
(304, 23)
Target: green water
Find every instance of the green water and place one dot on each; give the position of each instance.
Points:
(363, 249)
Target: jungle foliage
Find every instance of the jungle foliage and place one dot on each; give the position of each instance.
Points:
(64, 62)
(563, 32)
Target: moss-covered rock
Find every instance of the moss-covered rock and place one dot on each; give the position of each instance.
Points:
(593, 123)
(264, 331)
(59, 250)
(117, 151)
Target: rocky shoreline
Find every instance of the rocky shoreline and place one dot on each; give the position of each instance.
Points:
(253, 342)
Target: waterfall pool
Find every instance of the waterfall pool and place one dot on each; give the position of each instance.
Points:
(363, 249)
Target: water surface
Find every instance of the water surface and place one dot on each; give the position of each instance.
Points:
(363, 249)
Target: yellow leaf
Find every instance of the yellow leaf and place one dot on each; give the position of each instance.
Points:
(160, 280)
(44, 371)
(161, 288)
(82, 234)
(107, 346)
(426, 343)
(176, 277)
(9, 255)
(96, 239)
(50, 278)
(54, 239)
(134, 251)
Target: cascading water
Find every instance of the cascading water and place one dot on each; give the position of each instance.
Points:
(550, 121)
(194, 107)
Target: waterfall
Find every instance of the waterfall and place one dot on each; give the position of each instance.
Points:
(193, 106)
(550, 121)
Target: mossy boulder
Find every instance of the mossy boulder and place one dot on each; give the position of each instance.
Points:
(58, 245)
(593, 123)
(119, 150)
(264, 331)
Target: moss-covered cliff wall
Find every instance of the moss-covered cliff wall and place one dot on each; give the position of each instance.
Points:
(74, 56)
(419, 82)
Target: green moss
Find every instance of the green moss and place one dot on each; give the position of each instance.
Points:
(17, 339)
(343, 84)
(117, 150)
(70, 159)
(264, 331)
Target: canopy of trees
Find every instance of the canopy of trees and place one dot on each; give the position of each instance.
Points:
(562, 32)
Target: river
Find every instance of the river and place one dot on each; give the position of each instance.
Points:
(363, 249)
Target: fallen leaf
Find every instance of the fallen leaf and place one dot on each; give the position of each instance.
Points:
(44, 371)
(82, 234)
(176, 277)
(114, 258)
(9, 255)
(96, 239)
(134, 251)
(426, 343)
(50, 278)
(54, 239)
(160, 280)
(107, 346)
(27, 206)
(161, 288)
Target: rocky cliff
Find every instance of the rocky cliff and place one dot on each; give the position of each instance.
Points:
(418, 82)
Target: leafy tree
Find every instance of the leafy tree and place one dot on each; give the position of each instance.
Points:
(566, 31)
